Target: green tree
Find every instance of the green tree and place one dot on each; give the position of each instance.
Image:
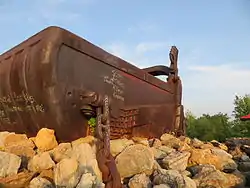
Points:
(241, 108)
(209, 127)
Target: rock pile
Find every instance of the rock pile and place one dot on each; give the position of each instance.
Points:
(168, 162)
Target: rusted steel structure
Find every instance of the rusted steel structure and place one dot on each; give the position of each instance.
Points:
(51, 80)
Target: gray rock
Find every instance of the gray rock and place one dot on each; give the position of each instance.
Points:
(244, 158)
(39, 182)
(196, 170)
(189, 183)
(176, 161)
(196, 143)
(166, 149)
(169, 177)
(230, 167)
(9, 164)
(158, 154)
(67, 173)
(89, 181)
(244, 166)
(140, 181)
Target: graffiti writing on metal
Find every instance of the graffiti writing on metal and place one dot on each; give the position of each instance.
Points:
(11, 104)
(117, 84)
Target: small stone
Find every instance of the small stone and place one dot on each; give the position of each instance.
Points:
(158, 154)
(236, 153)
(172, 178)
(184, 147)
(3, 135)
(140, 181)
(220, 152)
(189, 183)
(39, 182)
(186, 173)
(118, 145)
(215, 143)
(45, 139)
(201, 169)
(244, 158)
(196, 143)
(166, 137)
(47, 174)
(244, 166)
(176, 161)
(166, 149)
(155, 143)
(88, 181)
(19, 144)
(206, 146)
(219, 145)
(21, 151)
(185, 140)
(139, 140)
(62, 151)
(161, 186)
(67, 173)
(9, 164)
(171, 141)
(19, 180)
(18, 139)
(246, 149)
(88, 140)
(41, 162)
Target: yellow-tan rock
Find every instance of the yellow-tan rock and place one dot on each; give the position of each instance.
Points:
(19, 180)
(219, 179)
(67, 173)
(45, 139)
(118, 145)
(140, 140)
(134, 159)
(41, 162)
(62, 151)
(205, 156)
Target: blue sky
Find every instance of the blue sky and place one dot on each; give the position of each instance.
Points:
(212, 37)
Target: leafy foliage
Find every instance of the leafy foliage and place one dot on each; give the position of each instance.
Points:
(92, 124)
(219, 126)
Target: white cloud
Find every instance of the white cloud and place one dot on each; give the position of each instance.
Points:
(206, 88)
(138, 54)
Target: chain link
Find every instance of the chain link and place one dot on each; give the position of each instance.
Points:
(107, 165)
(103, 124)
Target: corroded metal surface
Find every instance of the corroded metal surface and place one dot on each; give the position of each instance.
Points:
(47, 81)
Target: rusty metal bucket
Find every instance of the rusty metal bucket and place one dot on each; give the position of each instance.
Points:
(47, 81)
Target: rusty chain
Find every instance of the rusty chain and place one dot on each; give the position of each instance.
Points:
(103, 124)
(106, 162)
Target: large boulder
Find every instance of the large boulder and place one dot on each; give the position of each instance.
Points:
(135, 159)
